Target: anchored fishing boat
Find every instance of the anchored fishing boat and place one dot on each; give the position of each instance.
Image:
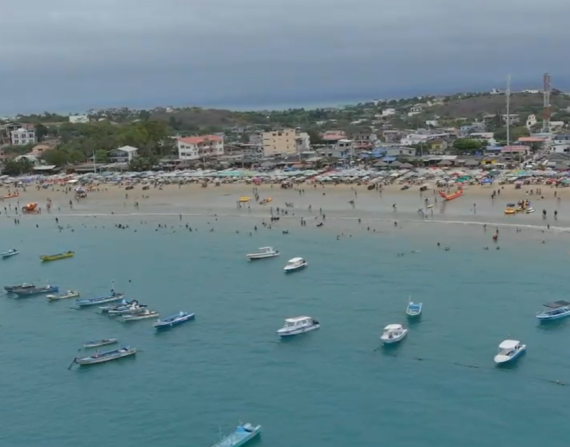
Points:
(298, 325)
(114, 296)
(142, 315)
(23, 286)
(97, 343)
(9, 253)
(106, 356)
(130, 308)
(241, 436)
(174, 320)
(63, 296)
(554, 311)
(47, 258)
(295, 264)
(36, 291)
(414, 309)
(509, 350)
(393, 333)
(264, 252)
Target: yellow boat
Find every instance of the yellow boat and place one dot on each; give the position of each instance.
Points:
(244, 199)
(510, 209)
(67, 254)
(264, 201)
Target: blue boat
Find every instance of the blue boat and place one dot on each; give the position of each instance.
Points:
(414, 309)
(554, 311)
(241, 436)
(114, 296)
(174, 320)
(31, 291)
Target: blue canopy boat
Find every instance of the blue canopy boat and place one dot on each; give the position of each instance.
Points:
(114, 296)
(174, 320)
(30, 291)
(554, 311)
(414, 309)
(241, 436)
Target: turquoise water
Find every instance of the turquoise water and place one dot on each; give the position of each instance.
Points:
(332, 387)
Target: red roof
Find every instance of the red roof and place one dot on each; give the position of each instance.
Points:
(202, 139)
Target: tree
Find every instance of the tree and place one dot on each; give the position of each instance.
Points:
(22, 166)
(467, 146)
(101, 156)
(41, 132)
(55, 157)
(515, 133)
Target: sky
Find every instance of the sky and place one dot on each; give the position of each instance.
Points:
(71, 55)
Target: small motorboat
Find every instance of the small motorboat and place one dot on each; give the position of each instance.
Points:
(142, 315)
(36, 291)
(131, 308)
(393, 333)
(106, 356)
(298, 325)
(414, 309)
(23, 286)
(97, 343)
(554, 311)
(9, 253)
(509, 350)
(510, 208)
(63, 296)
(295, 264)
(174, 320)
(114, 296)
(47, 258)
(264, 252)
(529, 210)
(241, 436)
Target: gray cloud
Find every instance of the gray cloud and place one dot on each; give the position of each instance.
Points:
(81, 53)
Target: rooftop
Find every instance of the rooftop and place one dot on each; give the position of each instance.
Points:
(202, 139)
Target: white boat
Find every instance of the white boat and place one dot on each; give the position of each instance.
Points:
(393, 333)
(509, 350)
(295, 264)
(264, 252)
(298, 325)
(9, 253)
(414, 309)
(143, 315)
(554, 311)
(63, 296)
(529, 210)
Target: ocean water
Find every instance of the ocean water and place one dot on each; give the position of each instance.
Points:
(333, 387)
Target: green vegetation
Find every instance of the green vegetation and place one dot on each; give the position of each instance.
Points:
(23, 166)
(467, 146)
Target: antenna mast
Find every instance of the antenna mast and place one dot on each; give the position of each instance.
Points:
(508, 94)
(546, 105)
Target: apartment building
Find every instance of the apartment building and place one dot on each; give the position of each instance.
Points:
(284, 142)
(196, 148)
(22, 136)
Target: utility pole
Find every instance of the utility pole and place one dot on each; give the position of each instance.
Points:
(546, 104)
(508, 94)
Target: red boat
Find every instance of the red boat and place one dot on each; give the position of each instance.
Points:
(455, 195)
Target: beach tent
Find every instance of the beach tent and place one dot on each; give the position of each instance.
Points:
(380, 164)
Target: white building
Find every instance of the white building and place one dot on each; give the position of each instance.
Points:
(531, 121)
(78, 119)
(23, 136)
(196, 148)
(123, 154)
(432, 123)
(400, 151)
(388, 112)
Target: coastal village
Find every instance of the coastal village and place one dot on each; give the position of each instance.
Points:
(381, 134)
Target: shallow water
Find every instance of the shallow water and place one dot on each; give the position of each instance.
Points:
(335, 386)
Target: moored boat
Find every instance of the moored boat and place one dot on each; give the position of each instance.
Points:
(142, 315)
(130, 308)
(509, 350)
(47, 258)
(174, 320)
(97, 343)
(298, 325)
(106, 356)
(393, 333)
(114, 296)
(63, 296)
(295, 264)
(9, 253)
(414, 309)
(264, 252)
(241, 436)
(23, 286)
(554, 311)
(36, 291)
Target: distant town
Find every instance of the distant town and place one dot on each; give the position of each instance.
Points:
(498, 128)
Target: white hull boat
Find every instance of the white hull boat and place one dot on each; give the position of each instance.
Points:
(298, 325)
(63, 296)
(414, 309)
(263, 253)
(140, 316)
(393, 333)
(554, 311)
(295, 264)
(9, 253)
(509, 350)
(529, 210)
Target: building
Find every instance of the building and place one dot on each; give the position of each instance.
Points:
(438, 146)
(364, 140)
(196, 148)
(400, 151)
(78, 119)
(388, 112)
(123, 154)
(284, 142)
(23, 135)
(531, 121)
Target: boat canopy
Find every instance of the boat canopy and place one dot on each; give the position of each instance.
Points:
(265, 248)
(393, 327)
(297, 319)
(291, 261)
(509, 344)
(557, 304)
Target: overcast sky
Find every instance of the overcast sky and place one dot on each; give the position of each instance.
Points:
(70, 55)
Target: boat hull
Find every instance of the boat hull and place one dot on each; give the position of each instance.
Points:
(65, 296)
(502, 359)
(102, 300)
(255, 257)
(9, 254)
(239, 437)
(48, 258)
(285, 334)
(396, 339)
(165, 325)
(105, 357)
(127, 318)
(98, 343)
(23, 293)
(548, 317)
(295, 268)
